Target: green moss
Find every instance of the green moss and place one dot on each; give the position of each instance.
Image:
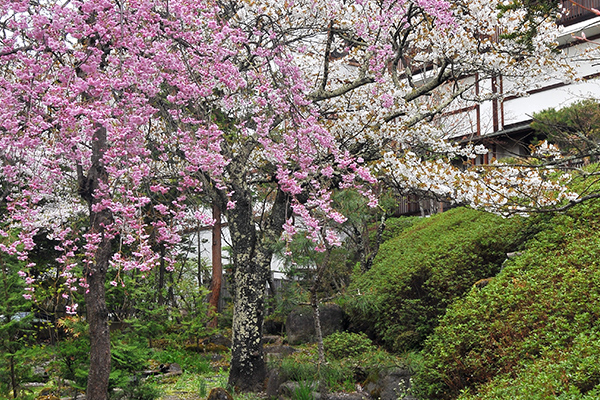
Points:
(394, 227)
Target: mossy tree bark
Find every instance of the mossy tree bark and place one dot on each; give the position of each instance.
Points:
(252, 250)
(248, 370)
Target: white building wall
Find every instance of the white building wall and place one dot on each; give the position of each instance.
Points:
(205, 239)
(522, 109)
(556, 94)
(463, 122)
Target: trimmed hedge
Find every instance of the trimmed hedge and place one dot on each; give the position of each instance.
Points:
(340, 345)
(417, 274)
(533, 332)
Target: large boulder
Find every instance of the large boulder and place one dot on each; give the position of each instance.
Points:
(300, 325)
(274, 380)
(390, 385)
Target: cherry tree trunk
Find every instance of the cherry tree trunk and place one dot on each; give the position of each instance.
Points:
(252, 250)
(217, 269)
(248, 370)
(97, 316)
(96, 269)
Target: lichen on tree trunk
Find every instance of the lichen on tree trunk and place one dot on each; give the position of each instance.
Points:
(248, 370)
(252, 249)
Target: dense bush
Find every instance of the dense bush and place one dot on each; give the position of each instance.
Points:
(419, 273)
(16, 333)
(533, 332)
(338, 374)
(394, 227)
(347, 344)
(189, 360)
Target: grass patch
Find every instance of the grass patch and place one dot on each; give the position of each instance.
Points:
(190, 361)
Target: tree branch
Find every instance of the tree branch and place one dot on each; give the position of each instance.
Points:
(321, 94)
(441, 78)
(327, 55)
(14, 51)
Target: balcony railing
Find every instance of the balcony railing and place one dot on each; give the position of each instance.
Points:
(574, 13)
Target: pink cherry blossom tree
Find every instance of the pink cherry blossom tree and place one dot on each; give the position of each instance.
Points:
(263, 106)
(108, 102)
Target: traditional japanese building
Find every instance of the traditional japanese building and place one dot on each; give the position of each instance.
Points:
(503, 125)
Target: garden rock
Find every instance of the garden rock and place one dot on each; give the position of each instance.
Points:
(348, 396)
(173, 369)
(272, 339)
(290, 389)
(273, 353)
(391, 385)
(273, 327)
(287, 389)
(220, 340)
(219, 394)
(300, 326)
(283, 350)
(273, 383)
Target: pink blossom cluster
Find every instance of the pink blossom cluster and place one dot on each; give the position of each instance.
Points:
(61, 83)
(153, 75)
(440, 10)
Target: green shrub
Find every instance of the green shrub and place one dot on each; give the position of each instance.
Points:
(72, 353)
(337, 374)
(571, 373)
(129, 356)
(17, 334)
(304, 391)
(136, 389)
(296, 370)
(533, 332)
(420, 272)
(347, 344)
(394, 227)
(189, 361)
